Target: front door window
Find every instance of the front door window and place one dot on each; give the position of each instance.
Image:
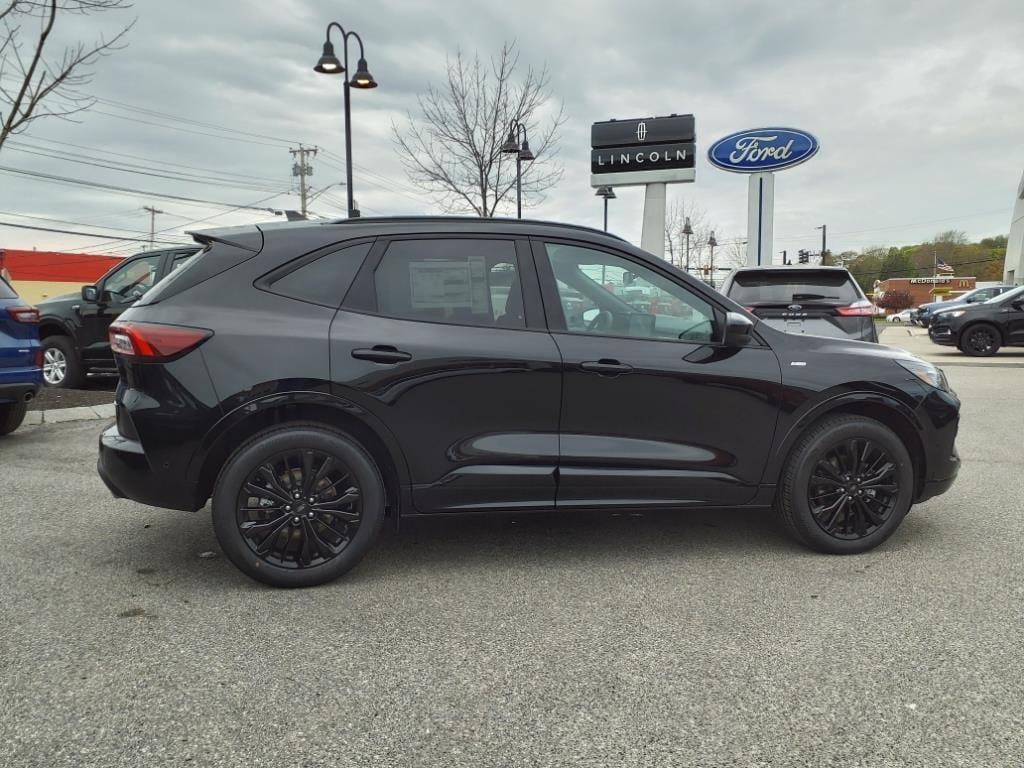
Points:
(601, 293)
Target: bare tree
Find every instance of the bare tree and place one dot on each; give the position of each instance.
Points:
(37, 81)
(454, 151)
(675, 220)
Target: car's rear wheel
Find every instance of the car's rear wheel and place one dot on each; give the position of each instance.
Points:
(61, 366)
(980, 340)
(11, 416)
(298, 506)
(847, 486)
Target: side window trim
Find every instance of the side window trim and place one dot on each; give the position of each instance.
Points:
(553, 302)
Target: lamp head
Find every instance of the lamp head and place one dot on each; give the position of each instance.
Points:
(362, 78)
(328, 64)
(525, 153)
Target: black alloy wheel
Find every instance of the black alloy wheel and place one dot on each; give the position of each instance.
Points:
(847, 485)
(298, 505)
(853, 489)
(299, 509)
(980, 341)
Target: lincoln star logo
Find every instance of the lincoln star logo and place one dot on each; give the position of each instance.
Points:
(641, 131)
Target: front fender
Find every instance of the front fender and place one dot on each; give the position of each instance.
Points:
(894, 400)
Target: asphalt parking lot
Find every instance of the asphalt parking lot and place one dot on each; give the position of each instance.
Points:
(692, 639)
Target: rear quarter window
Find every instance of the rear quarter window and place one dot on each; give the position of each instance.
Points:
(6, 292)
(786, 286)
(321, 279)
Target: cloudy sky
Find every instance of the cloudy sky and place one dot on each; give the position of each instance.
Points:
(919, 109)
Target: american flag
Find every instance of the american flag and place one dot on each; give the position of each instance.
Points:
(944, 268)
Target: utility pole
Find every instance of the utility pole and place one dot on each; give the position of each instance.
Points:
(303, 170)
(823, 229)
(152, 223)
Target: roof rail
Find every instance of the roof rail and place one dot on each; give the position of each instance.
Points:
(467, 219)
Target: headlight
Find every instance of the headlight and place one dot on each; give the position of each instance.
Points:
(951, 313)
(926, 372)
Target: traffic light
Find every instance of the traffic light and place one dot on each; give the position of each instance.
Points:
(804, 256)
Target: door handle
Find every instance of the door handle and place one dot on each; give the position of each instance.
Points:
(382, 353)
(606, 367)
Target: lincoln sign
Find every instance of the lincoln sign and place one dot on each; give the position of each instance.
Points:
(645, 151)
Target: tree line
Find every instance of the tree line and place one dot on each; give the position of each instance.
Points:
(982, 259)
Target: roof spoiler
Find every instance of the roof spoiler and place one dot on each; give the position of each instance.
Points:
(239, 237)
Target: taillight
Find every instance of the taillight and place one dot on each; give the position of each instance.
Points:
(154, 342)
(858, 308)
(24, 314)
(37, 358)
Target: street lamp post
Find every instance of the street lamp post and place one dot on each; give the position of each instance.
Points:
(330, 65)
(608, 194)
(522, 152)
(824, 229)
(687, 231)
(711, 244)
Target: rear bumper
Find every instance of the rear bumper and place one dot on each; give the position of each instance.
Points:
(20, 391)
(125, 470)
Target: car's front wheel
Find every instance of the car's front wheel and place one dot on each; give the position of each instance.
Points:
(298, 505)
(11, 416)
(980, 340)
(848, 484)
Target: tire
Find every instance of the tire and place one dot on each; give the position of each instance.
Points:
(980, 340)
(298, 538)
(896, 320)
(11, 416)
(62, 367)
(807, 481)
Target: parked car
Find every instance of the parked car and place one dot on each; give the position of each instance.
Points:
(73, 327)
(906, 316)
(315, 378)
(980, 330)
(20, 358)
(925, 312)
(824, 301)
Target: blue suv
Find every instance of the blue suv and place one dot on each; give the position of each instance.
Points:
(21, 358)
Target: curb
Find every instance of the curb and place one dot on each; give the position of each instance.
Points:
(78, 413)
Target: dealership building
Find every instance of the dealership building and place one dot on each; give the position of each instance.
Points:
(39, 275)
(1013, 271)
(926, 289)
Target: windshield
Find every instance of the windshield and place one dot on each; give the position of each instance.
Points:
(800, 285)
(1016, 293)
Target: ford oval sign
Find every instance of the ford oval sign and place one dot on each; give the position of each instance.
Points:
(762, 150)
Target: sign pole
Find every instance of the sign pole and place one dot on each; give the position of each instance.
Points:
(652, 236)
(760, 218)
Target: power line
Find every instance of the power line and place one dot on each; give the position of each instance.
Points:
(81, 234)
(118, 189)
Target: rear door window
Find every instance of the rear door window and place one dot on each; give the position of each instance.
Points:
(464, 281)
(788, 286)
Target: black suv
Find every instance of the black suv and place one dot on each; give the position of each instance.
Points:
(980, 330)
(73, 328)
(315, 378)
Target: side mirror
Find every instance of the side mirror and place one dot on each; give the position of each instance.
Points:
(89, 293)
(737, 329)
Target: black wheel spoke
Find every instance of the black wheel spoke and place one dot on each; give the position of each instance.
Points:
(350, 495)
(267, 493)
(299, 508)
(268, 541)
(853, 488)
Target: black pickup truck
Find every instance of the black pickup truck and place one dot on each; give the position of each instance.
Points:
(73, 328)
